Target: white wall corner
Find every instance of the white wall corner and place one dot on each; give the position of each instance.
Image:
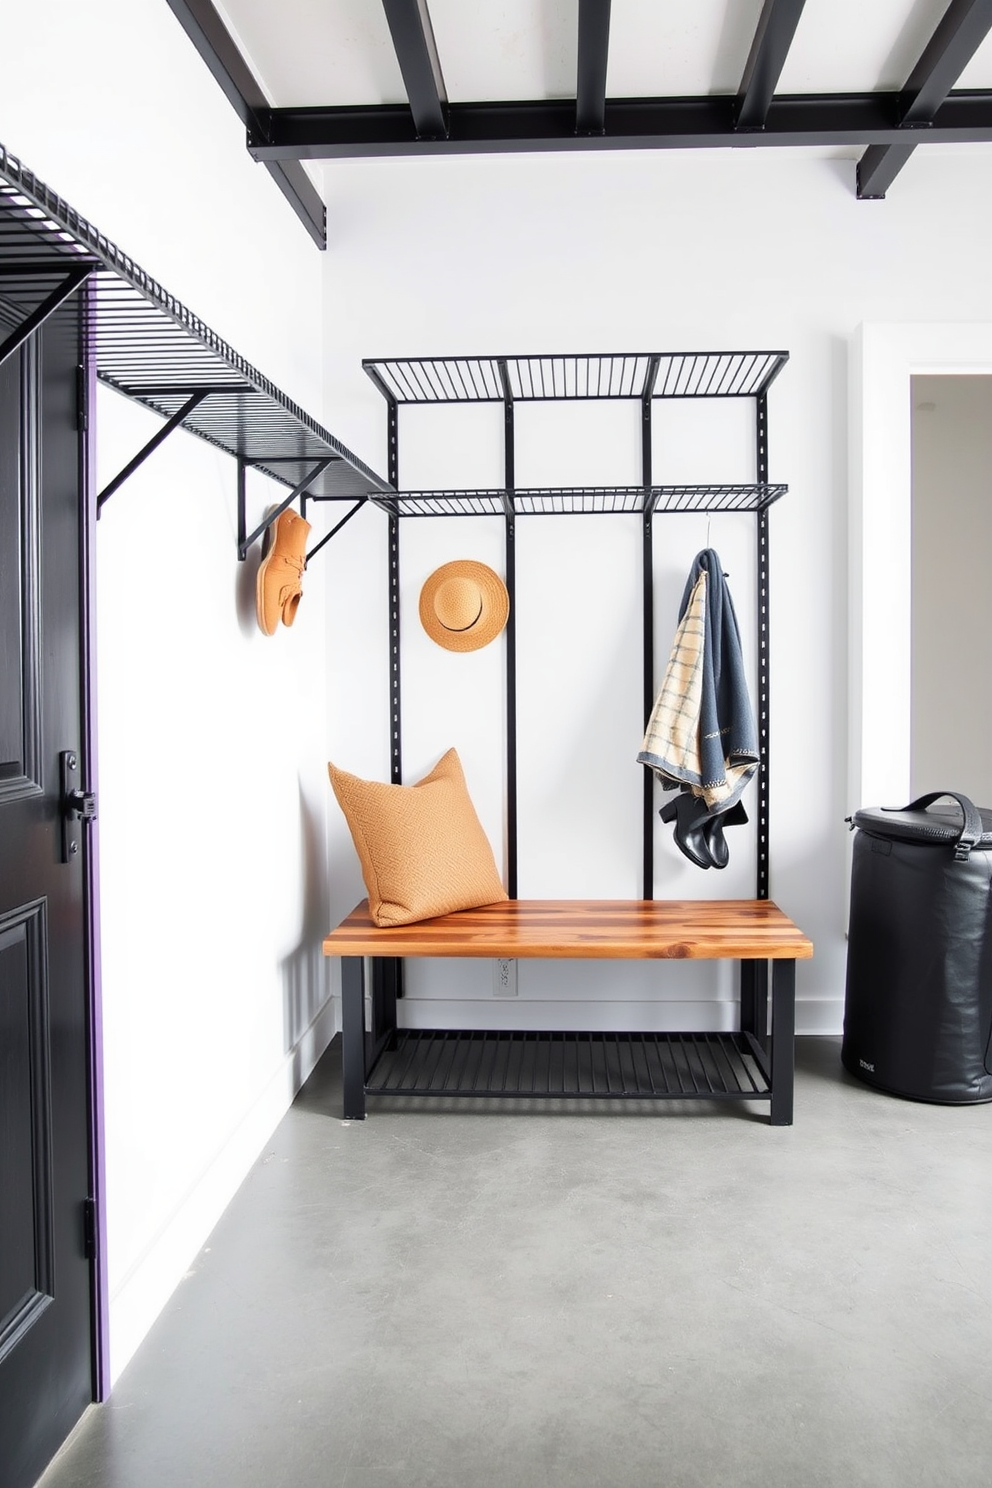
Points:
(151, 1281)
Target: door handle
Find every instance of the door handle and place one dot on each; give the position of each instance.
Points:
(77, 805)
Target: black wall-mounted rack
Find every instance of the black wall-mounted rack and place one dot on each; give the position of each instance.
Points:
(146, 345)
(641, 376)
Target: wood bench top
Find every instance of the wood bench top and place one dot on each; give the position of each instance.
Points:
(594, 929)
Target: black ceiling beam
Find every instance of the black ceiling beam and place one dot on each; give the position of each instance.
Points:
(302, 195)
(838, 119)
(769, 49)
(590, 72)
(959, 33)
(413, 40)
(878, 168)
(241, 88)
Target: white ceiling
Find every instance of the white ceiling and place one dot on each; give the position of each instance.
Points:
(332, 52)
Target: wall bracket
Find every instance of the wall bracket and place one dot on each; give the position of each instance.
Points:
(152, 445)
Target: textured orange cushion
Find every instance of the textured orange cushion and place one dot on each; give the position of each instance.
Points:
(422, 848)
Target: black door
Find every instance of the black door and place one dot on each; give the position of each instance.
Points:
(46, 1352)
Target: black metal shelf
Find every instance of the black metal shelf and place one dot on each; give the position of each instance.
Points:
(148, 346)
(579, 500)
(525, 379)
(561, 1066)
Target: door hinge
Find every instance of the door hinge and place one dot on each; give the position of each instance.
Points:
(77, 805)
(89, 1229)
(82, 400)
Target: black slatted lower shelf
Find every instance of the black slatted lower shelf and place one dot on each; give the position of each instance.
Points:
(608, 1066)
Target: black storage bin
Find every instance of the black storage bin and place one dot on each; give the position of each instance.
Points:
(918, 1003)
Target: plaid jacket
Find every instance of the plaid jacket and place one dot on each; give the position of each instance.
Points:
(701, 732)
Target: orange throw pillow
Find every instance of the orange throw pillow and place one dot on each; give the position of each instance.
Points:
(422, 848)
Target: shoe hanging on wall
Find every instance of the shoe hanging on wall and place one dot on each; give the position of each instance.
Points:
(279, 585)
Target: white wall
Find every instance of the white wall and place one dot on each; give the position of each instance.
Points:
(212, 782)
(952, 603)
(614, 252)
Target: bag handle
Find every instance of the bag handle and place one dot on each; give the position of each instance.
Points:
(971, 829)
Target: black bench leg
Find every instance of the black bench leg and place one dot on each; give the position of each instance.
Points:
(386, 972)
(783, 1041)
(353, 1036)
(754, 1000)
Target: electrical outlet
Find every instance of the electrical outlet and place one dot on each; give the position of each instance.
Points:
(504, 977)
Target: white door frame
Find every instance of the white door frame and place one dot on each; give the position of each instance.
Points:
(884, 357)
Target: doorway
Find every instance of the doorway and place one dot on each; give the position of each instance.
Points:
(884, 359)
(47, 1210)
(951, 708)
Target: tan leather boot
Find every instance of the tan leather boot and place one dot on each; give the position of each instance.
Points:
(278, 587)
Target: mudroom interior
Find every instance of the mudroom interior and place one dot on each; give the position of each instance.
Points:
(493, 505)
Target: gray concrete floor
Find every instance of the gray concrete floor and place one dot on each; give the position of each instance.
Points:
(506, 1298)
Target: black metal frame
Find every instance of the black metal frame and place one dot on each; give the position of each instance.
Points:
(591, 65)
(754, 117)
(644, 376)
(147, 346)
(769, 49)
(416, 51)
(241, 88)
(959, 33)
(705, 122)
(385, 1060)
(887, 123)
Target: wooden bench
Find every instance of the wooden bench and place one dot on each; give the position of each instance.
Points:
(744, 1065)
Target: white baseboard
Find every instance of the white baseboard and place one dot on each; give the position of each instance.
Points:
(150, 1283)
(820, 1015)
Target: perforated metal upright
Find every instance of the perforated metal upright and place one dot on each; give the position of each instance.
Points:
(510, 579)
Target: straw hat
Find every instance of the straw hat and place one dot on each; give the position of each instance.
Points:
(464, 605)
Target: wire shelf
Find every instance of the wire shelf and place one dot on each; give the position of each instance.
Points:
(579, 501)
(598, 1066)
(151, 348)
(713, 374)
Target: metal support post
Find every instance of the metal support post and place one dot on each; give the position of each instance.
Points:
(395, 699)
(392, 475)
(242, 492)
(764, 668)
(385, 987)
(783, 1041)
(647, 596)
(509, 483)
(647, 588)
(754, 1000)
(353, 1036)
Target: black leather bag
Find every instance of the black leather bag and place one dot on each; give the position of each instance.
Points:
(918, 1001)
